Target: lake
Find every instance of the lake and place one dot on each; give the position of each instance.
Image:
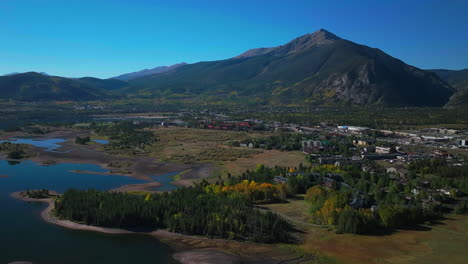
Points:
(49, 144)
(26, 237)
(101, 141)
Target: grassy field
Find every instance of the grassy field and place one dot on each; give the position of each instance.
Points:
(187, 145)
(446, 242)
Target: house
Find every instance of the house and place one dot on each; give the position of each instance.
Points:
(334, 160)
(367, 168)
(427, 203)
(280, 180)
(441, 153)
(462, 143)
(415, 191)
(444, 191)
(373, 156)
(328, 183)
(398, 169)
(384, 150)
(251, 145)
(447, 191)
(357, 129)
(360, 142)
(357, 201)
(369, 149)
(417, 157)
(310, 146)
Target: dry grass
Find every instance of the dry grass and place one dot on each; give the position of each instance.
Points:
(268, 158)
(446, 242)
(199, 145)
(187, 145)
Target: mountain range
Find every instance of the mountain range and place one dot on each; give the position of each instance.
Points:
(145, 72)
(459, 81)
(315, 69)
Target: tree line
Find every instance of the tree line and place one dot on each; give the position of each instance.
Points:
(126, 137)
(188, 210)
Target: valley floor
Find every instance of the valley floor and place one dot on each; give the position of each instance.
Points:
(185, 151)
(446, 240)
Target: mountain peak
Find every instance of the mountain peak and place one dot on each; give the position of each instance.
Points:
(325, 34)
(318, 38)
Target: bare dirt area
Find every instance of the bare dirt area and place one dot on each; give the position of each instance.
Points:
(141, 167)
(141, 187)
(193, 249)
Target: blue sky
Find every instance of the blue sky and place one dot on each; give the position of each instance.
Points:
(104, 38)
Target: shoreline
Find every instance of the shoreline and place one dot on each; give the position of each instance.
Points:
(47, 216)
(138, 187)
(139, 167)
(187, 249)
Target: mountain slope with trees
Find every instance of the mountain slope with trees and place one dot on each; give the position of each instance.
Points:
(32, 86)
(459, 80)
(145, 72)
(318, 68)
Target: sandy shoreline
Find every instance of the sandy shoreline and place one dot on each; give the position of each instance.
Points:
(47, 215)
(139, 167)
(139, 187)
(188, 249)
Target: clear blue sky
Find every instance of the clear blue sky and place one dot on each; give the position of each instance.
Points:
(105, 38)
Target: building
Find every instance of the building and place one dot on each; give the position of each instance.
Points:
(280, 180)
(398, 169)
(360, 142)
(462, 143)
(374, 156)
(328, 183)
(384, 150)
(333, 160)
(441, 153)
(415, 191)
(311, 146)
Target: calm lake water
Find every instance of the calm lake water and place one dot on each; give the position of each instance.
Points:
(49, 144)
(24, 236)
(101, 141)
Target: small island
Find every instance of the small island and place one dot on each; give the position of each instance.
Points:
(35, 195)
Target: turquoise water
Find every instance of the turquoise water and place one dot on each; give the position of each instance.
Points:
(49, 144)
(101, 141)
(24, 236)
(166, 181)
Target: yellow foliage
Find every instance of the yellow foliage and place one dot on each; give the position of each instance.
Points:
(327, 168)
(329, 212)
(314, 193)
(254, 190)
(148, 196)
